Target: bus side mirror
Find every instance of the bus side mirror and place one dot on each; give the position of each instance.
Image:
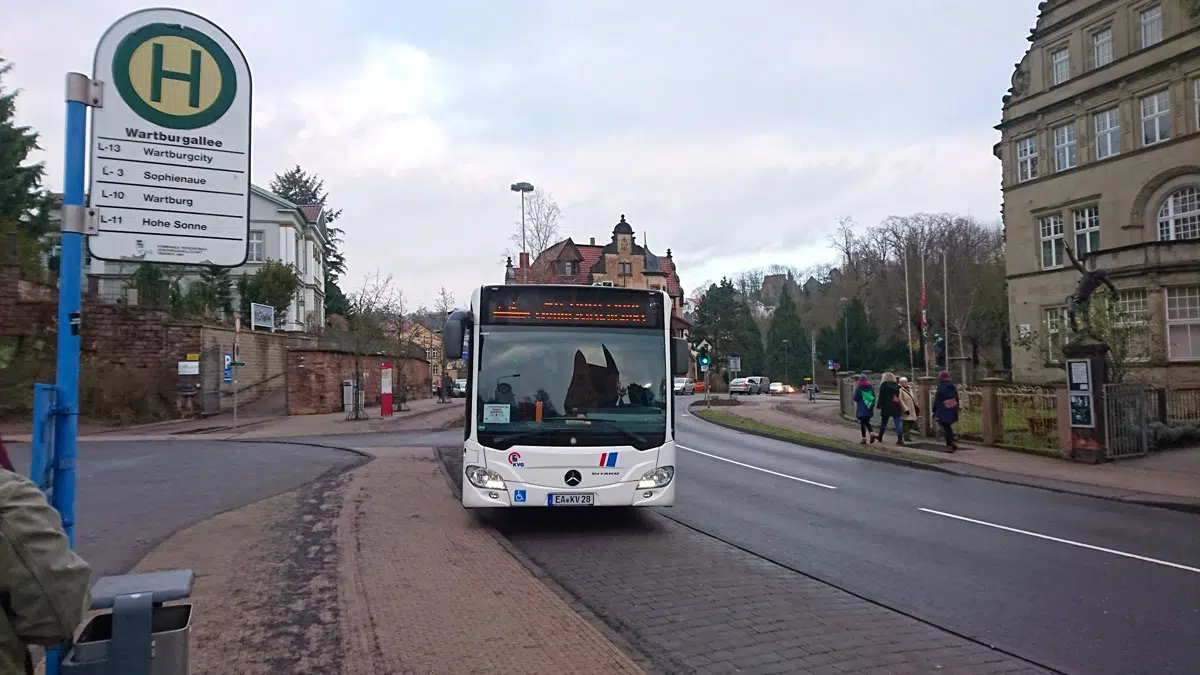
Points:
(452, 335)
(680, 356)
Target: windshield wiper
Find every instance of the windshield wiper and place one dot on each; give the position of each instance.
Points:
(508, 440)
(638, 442)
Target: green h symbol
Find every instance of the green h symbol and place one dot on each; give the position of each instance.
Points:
(158, 74)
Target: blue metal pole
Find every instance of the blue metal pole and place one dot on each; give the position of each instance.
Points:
(70, 300)
(70, 297)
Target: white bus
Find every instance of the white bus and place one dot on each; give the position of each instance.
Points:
(570, 396)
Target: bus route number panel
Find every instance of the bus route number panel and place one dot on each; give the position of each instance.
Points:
(574, 307)
(573, 499)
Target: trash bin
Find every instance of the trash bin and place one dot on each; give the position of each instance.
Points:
(347, 395)
(140, 635)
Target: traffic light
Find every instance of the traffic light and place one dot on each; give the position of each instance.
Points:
(702, 358)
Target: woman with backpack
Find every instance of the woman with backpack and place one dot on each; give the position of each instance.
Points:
(945, 407)
(864, 399)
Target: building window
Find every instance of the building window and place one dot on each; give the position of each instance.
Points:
(1102, 48)
(1087, 230)
(1027, 159)
(1052, 240)
(1152, 29)
(1156, 117)
(1183, 323)
(625, 269)
(1131, 325)
(1065, 152)
(569, 268)
(1179, 216)
(1060, 65)
(1108, 133)
(257, 252)
(1055, 322)
(1196, 101)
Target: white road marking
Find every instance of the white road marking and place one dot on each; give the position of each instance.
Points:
(1066, 541)
(758, 468)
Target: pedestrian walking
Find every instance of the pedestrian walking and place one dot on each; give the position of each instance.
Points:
(945, 407)
(909, 409)
(889, 407)
(44, 585)
(864, 399)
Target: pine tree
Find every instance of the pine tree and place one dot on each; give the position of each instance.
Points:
(787, 345)
(24, 205)
(301, 189)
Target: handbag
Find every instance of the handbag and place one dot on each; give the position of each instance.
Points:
(950, 403)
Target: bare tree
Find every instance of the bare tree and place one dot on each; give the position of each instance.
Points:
(541, 225)
(375, 307)
(445, 304)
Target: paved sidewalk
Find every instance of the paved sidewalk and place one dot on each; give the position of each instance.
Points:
(374, 571)
(1170, 478)
(221, 427)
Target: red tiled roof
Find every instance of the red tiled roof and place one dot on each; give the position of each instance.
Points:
(674, 289)
(312, 212)
(679, 323)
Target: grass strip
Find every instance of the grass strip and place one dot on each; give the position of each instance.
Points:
(791, 435)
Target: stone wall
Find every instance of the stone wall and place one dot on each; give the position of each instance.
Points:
(314, 379)
(129, 354)
(265, 356)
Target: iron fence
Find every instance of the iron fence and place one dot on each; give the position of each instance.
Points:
(1126, 419)
(1028, 416)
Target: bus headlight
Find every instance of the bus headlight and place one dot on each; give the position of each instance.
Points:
(484, 478)
(656, 478)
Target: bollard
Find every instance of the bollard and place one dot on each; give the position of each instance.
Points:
(139, 635)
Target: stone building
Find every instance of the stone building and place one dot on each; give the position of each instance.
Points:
(621, 262)
(1100, 147)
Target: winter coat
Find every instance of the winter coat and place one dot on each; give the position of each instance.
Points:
(946, 391)
(889, 400)
(44, 586)
(908, 404)
(863, 410)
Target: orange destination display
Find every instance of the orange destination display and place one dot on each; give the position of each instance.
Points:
(572, 306)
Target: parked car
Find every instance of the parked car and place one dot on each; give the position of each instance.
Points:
(760, 383)
(742, 385)
(684, 386)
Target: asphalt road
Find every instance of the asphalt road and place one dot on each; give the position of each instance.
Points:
(132, 495)
(1078, 584)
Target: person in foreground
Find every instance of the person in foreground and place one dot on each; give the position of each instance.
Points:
(945, 407)
(44, 585)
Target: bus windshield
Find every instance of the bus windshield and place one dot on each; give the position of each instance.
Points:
(571, 386)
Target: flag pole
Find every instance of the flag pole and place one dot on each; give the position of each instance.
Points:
(946, 309)
(924, 322)
(912, 372)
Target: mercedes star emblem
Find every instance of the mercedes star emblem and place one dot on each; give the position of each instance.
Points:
(572, 478)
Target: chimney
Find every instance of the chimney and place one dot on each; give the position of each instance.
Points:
(593, 241)
(524, 260)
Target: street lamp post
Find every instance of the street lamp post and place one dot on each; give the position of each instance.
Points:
(785, 361)
(522, 188)
(846, 331)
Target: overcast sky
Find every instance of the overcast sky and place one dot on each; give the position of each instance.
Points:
(735, 134)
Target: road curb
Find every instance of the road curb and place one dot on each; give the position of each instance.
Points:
(361, 453)
(830, 447)
(941, 467)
